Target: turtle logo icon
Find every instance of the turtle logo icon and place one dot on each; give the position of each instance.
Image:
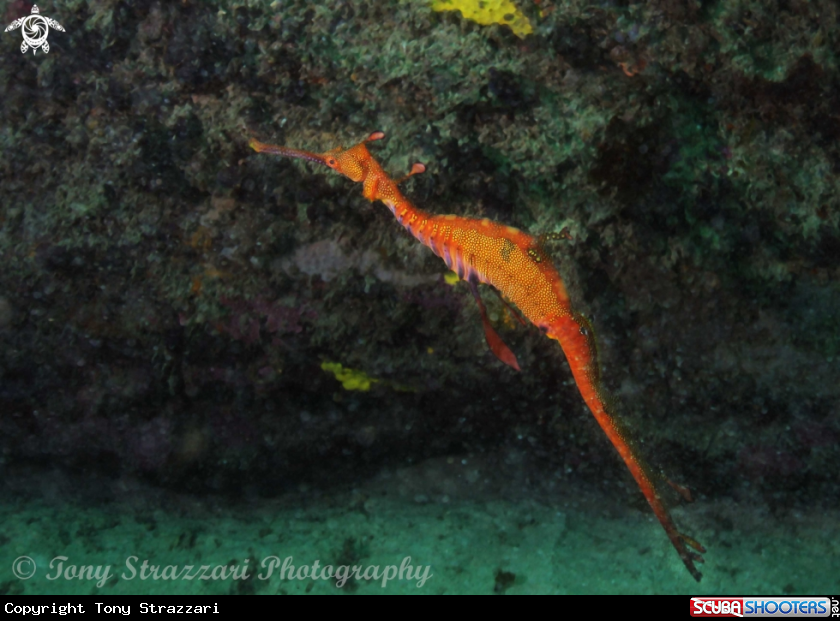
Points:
(35, 29)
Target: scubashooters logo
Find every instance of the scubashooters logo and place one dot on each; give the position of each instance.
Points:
(35, 29)
(785, 607)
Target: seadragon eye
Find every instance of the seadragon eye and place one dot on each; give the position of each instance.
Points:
(331, 162)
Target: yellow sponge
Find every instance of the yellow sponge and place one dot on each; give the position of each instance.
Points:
(486, 12)
(351, 379)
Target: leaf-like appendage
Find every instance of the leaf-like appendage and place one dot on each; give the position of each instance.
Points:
(46, 47)
(15, 24)
(23, 47)
(54, 24)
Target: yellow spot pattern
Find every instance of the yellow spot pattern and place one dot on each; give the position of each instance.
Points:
(503, 257)
(486, 12)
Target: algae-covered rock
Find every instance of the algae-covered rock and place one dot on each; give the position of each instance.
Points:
(169, 297)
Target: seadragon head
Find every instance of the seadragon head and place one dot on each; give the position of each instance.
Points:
(353, 163)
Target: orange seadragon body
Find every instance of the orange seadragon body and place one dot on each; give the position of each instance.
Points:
(483, 251)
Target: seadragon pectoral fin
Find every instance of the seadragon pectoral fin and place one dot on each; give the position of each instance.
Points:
(497, 345)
